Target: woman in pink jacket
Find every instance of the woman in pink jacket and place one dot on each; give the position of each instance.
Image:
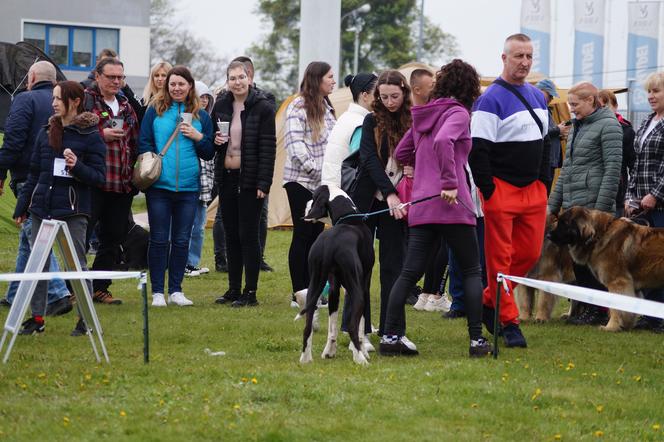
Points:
(437, 146)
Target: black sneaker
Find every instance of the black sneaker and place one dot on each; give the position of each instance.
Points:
(5, 302)
(265, 267)
(246, 299)
(591, 315)
(79, 329)
(229, 297)
(403, 347)
(31, 327)
(513, 336)
(454, 314)
(479, 347)
(60, 307)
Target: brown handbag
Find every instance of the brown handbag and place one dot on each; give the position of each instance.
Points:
(148, 165)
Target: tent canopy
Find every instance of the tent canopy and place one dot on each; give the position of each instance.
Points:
(15, 60)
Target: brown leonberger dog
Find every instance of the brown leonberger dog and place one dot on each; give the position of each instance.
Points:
(622, 255)
(554, 265)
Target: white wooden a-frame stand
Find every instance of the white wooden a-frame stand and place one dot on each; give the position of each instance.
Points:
(53, 231)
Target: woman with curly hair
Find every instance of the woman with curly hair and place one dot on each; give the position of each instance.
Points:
(379, 173)
(438, 146)
(309, 121)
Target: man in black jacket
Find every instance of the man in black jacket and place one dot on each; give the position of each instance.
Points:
(29, 112)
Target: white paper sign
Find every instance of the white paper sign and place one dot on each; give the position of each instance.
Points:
(60, 168)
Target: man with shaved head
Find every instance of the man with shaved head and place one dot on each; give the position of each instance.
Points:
(30, 112)
(510, 164)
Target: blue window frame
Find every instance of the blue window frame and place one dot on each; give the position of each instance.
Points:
(72, 48)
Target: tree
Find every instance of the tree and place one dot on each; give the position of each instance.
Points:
(388, 39)
(182, 47)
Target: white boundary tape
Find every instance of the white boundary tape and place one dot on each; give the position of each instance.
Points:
(47, 276)
(615, 301)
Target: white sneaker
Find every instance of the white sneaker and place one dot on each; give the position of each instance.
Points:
(178, 298)
(203, 270)
(191, 271)
(301, 298)
(421, 301)
(158, 300)
(441, 304)
(408, 343)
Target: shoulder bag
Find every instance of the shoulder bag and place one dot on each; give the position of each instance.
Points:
(148, 165)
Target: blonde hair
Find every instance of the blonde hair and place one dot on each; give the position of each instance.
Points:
(585, 89)
(151, 90)
(654, 80)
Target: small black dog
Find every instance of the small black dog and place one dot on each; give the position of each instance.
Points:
(344, 256)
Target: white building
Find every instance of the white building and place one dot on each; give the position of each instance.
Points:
(73, 32)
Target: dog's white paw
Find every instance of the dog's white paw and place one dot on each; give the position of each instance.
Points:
(359, 358)
(330, 350)
(305, 357)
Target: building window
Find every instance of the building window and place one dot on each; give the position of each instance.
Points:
(71, 47)
(35, 35)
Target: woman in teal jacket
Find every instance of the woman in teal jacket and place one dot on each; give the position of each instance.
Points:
(171, 200)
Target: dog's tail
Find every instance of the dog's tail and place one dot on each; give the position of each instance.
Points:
(300, 314)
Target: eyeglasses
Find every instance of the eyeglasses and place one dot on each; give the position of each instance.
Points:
(115, 77)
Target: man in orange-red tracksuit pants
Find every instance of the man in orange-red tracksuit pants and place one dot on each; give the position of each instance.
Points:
(510, 164)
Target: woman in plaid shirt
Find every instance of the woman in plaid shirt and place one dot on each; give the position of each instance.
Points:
(309, 121)
(645, 190)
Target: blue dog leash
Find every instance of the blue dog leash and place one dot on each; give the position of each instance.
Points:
(366, 216)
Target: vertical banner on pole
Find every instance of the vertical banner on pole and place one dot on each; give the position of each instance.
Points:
(642, 47)
(536, 23)
(589, 41)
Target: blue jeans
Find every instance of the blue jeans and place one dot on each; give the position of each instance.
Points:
(197, 234)
(456, 282)
(56, 287)
(170, 214)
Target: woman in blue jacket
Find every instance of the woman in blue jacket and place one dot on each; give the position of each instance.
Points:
(176, 111)
(68, 159)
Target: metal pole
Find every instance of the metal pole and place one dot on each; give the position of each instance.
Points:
(420, 39)
(146, 330)
(496, 320)
(357, 47)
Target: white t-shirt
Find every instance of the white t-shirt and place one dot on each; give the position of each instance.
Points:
(114, 105)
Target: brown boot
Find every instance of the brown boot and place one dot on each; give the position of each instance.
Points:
(105, 297)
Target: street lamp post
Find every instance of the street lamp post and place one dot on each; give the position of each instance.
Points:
(358, 23)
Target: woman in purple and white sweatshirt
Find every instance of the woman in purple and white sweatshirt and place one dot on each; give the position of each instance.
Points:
(437, 146)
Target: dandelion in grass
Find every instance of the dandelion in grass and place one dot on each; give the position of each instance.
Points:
(570, 366)
(254, 381)
(557, 436)
(537, 394)
(87, 376)
(474, 405)
(41, 375)
(244, 380)
(594, 375)
(65, 421)
(599, 433)
(599, 408)
(656, 427)
(236, 406)
(123, 413)
(637, 378)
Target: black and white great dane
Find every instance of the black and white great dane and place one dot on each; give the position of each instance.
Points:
(344, 256)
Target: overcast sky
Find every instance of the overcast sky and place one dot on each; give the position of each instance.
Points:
(480, 27)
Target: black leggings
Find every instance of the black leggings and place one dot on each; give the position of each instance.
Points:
(304, 235)
(462, 239)
(240, 214)
(433, 277)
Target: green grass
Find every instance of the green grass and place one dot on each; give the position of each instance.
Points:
(573, 382)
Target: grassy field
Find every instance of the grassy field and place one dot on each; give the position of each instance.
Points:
(573, 383)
